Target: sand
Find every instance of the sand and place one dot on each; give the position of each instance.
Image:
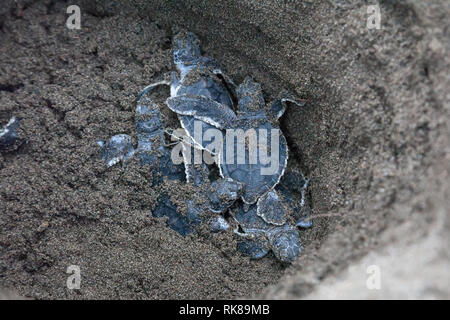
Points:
(373, 139)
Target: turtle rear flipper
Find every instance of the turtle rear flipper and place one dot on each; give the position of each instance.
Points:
(249, 221)
(283, 240)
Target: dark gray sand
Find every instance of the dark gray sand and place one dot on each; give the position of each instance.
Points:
(373, 139)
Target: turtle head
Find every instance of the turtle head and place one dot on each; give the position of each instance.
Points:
(186, 50)
(250, 97)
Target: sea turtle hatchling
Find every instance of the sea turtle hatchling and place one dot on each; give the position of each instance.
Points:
(258, 176)
(266, 225)
(201, 94)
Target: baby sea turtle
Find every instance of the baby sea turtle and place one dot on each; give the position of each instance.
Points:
(266, 225)
(258, 176)
(202, 96)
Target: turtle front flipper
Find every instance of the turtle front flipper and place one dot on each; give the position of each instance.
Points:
(198, 132)
(118, 148)
(203, 119)
(9, 135)
(203, 108)
(277, 108)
